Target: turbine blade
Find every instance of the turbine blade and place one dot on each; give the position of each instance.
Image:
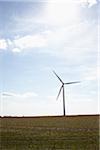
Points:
(59, 92)
(57, 76)
(72, 82)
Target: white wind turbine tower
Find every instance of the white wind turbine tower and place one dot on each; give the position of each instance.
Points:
(62, 88)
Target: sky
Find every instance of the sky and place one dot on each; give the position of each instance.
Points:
(37, 37)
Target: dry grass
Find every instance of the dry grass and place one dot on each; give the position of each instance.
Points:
(50, 133)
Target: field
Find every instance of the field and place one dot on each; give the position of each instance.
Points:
(50, 133)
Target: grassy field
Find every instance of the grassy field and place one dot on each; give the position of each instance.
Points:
(50, 133)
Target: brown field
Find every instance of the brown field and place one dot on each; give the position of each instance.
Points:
(50, 133)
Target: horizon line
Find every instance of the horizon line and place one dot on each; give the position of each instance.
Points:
(49, 116)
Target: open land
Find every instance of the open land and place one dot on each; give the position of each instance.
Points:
(50, 133)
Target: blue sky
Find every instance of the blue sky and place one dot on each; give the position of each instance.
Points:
(37, 37)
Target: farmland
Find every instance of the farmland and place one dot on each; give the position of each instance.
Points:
(50, 133)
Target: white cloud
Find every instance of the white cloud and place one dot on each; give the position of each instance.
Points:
(92, 2)
(25, 43)
(16, 50)
(73, 42)
(29, 94)
(30, 41)
(3, 44)
(62, 41)
(59, 13)
(92, 74)
(88, 3)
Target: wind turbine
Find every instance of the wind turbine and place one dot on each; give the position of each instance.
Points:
(62, 88)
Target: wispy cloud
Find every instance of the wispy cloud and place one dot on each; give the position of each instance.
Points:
(23, 95)
(88, 3)
(91, 74)
(59, 38)
(3, 44)
(7, 94)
